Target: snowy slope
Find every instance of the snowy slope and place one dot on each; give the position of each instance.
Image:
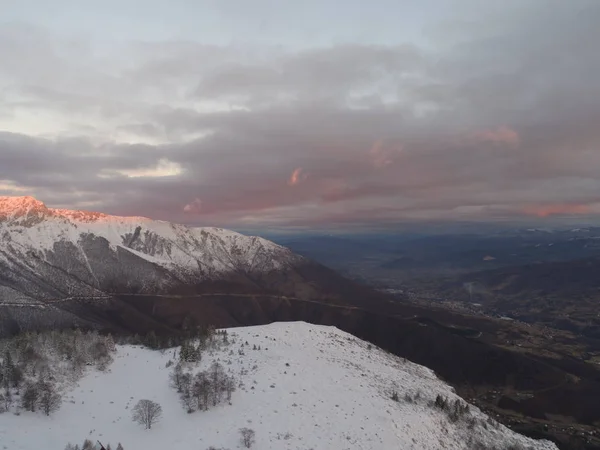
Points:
(52, 254)
(27, 224)
(309, 387)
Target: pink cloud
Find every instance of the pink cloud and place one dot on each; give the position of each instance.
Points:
(558, 209)
(382, 156)
(194, 207)
(297, 177)
(504, 136)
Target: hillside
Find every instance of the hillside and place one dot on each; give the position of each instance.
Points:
(560, 294)
(60, 268)
(307, 387)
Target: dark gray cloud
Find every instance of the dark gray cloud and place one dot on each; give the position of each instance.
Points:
(496, 117)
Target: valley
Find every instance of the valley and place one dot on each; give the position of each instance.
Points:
(128, 276)
(546, 309)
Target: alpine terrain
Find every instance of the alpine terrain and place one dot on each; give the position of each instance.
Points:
(64, 268)
(296, 386)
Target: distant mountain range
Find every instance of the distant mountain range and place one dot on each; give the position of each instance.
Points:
(61, 267)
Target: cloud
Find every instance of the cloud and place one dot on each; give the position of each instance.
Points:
(297, 176)
(551, 210)
(195, 207)
(503, 136)
(8, 187)
(163, 168)
(381, 155)
(495, 117)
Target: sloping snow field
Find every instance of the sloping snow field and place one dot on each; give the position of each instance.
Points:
(308, 387)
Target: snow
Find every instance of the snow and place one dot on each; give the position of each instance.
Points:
(27, 226)
(309, 387)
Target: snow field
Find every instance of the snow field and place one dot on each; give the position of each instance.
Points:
(308, 387)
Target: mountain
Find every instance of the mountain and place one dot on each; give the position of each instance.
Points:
(132, 275)
(561, 294)
(306, 387)
(61, 267)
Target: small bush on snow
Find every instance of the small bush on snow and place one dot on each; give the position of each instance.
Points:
(248, 437)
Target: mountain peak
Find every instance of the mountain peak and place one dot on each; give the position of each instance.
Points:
(8, 202)
(25, 207)
(154, 255)
(27, 210)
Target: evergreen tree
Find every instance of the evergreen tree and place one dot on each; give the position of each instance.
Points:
(184, 351)
(151, 340)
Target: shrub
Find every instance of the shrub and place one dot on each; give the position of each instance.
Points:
(248, 437)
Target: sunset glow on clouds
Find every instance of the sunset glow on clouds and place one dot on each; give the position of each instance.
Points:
(552, 210)
(194, 207)
(225, 114)
(297, 176)
(503, 136)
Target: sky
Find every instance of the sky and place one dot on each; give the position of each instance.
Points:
(317, 114)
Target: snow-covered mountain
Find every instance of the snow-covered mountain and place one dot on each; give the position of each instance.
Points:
(52, 261)
(300, 386)
(88, 245)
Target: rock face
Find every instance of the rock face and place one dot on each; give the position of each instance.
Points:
(58, 265)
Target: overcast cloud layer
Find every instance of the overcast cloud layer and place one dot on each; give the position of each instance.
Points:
(328, 113)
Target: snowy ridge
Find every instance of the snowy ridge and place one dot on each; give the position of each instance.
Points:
(308, 387)
(79, 242)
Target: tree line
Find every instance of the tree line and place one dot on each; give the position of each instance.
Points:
(35, 366)
(89, 445)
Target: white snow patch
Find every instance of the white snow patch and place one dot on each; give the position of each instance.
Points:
(28, 227)
(314, 387)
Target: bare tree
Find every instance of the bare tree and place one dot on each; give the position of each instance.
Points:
(7, 400)
(201, 390)
(186, 381)
(147, 413)
(229, 386)
(49, 399)
(247, 437)
(217, 378)
(30, 397)
(188, 400)
(177, 378)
